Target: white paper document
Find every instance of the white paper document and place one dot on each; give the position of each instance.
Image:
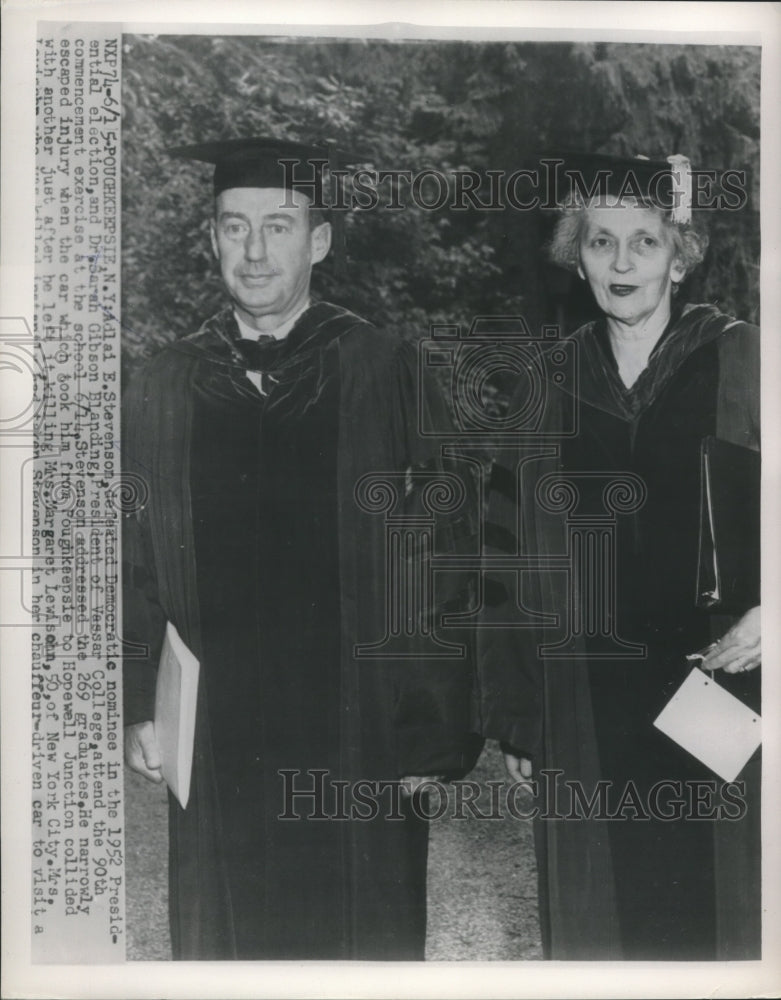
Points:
(175, 706)
(712, 724)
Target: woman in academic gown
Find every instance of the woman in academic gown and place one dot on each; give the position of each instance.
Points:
(674, 873)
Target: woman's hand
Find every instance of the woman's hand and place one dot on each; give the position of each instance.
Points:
(740, 648)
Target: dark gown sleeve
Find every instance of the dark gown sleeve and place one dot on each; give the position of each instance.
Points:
(433, 713)
(143, 625)
(510, 672)
(143, 620)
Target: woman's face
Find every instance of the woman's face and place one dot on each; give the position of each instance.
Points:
(628, 258)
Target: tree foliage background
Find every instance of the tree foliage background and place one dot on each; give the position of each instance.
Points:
(418, 105)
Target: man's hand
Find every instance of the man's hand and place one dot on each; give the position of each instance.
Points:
(141, 751)
(518, 768)
(411, 783)
(739, 649)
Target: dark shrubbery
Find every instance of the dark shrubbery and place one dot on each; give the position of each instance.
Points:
(417, 105)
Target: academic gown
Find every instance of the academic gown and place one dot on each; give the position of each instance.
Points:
(642, 887)
(253, 542)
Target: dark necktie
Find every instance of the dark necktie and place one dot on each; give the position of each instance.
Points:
(253, 352)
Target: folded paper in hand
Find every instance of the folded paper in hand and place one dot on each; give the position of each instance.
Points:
(175, 704)
(712, 724)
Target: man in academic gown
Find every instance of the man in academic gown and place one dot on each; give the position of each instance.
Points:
(264, 544)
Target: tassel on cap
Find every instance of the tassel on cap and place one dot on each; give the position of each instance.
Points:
(682, 189)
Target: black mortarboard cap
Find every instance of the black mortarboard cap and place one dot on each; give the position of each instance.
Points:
(266, 163)
(276, 163)
(579, 177)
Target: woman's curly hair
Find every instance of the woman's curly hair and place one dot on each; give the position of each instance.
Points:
(690, 239)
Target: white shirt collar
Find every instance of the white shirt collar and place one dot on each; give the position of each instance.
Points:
(279, 333)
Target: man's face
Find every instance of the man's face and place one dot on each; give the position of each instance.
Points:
(266, 251)
(627, 256)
